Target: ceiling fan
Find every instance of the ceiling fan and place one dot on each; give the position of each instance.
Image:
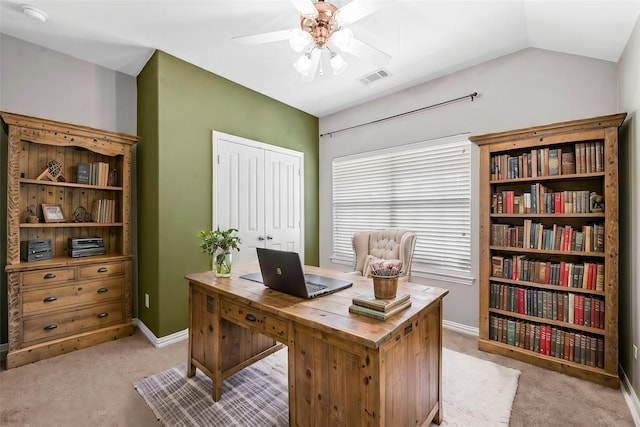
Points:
(323, 27)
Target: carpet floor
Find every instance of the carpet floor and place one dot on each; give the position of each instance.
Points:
(475, 392)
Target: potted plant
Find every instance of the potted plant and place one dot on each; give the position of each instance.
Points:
(385, 275)
(218, 244)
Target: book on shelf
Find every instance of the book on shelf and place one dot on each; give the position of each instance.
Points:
(376, 314)
(82, 174)
(384, 305)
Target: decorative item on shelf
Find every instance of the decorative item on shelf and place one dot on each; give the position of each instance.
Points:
(218, 244)
(385, 275)
(32, 218)
(596, 202)
(113, 178)
(52, 172)
(80, 214)
(52, 213)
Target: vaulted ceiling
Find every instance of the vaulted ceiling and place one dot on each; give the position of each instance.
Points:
(425, 39)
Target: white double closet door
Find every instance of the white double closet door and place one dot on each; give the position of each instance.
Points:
(258, 189)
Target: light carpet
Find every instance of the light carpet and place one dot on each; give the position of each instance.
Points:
(475, 392)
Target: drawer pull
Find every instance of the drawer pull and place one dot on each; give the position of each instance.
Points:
(250, 317)
(103, 270)
(102, 290)
(50, 327)
(102, 315)
(49, 276)
(50, 299)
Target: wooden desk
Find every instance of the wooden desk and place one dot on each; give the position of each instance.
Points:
(344, 369)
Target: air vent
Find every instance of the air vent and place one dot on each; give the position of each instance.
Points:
(376, 75)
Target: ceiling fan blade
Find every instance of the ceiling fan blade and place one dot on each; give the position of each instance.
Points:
(274, 36)
(316, 54)
(356, 10)
(305, 7)
(368, 53)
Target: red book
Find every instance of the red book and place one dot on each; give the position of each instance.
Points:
(578, 317)
(521, 292)
(547, 345)
(563, 277)
(557, 203)
(547, 273)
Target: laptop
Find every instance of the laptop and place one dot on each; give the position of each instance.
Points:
(282, 271)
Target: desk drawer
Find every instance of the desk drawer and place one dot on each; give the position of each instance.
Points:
(102, 270)
(74, 321)
(50, 276)
(254, 320)
(47, 299)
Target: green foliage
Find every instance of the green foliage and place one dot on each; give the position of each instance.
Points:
(219, 244)
(225, 240)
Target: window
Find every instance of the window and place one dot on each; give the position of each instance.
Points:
(423, 187)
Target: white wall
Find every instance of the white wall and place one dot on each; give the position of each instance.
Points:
(527, 88)
(629, 101)
(39, 82)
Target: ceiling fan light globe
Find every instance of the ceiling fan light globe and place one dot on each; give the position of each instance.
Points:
(299, 39)
(342, 39)
(303, 64)
(338, 64)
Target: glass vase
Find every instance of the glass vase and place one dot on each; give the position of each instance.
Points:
(222, 263)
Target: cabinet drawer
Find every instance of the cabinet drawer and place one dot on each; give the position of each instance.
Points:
(52, 326)
(51, 276)
(42, 300)
(254, 320)
(102, 270)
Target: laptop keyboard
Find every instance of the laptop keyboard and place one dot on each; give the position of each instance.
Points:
(314, 287)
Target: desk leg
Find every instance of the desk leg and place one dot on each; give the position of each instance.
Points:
(191, 370)
(438, 416)
(216, 322)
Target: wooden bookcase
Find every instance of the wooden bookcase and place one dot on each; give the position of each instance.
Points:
(548, 249)
(65, 303)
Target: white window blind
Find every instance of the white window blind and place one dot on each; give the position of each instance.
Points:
(423, 187)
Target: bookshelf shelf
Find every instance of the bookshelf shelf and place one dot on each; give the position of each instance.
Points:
(69, 184)
(552, 186)
(545, 286)
(547, 178)
(555, 216)
(71, 225)
(548, 252)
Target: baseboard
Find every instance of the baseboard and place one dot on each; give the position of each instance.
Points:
(163, 341)
(459, 327)
(630, 397)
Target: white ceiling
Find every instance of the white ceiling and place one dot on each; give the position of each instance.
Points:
(426, 39)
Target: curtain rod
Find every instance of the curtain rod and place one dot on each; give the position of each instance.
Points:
(440, 104)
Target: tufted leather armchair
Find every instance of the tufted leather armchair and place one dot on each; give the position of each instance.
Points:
(390, 243)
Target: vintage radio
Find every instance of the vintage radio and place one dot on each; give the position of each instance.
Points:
(35, 249)
(85, 246)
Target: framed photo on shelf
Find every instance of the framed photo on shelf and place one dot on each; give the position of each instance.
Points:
(52, 213)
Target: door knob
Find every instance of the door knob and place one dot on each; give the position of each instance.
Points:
(261, 238)
(269, 237)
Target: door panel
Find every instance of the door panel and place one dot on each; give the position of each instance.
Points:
(282, 201)
(240, 195)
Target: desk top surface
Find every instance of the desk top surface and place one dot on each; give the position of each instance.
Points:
(329, 313)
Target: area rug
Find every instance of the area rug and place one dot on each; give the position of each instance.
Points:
(475, 392)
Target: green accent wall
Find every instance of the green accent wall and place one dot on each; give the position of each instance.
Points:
(179, 105)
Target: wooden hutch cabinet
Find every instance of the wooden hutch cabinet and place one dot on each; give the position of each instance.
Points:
(549, 246)
(61, 300)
